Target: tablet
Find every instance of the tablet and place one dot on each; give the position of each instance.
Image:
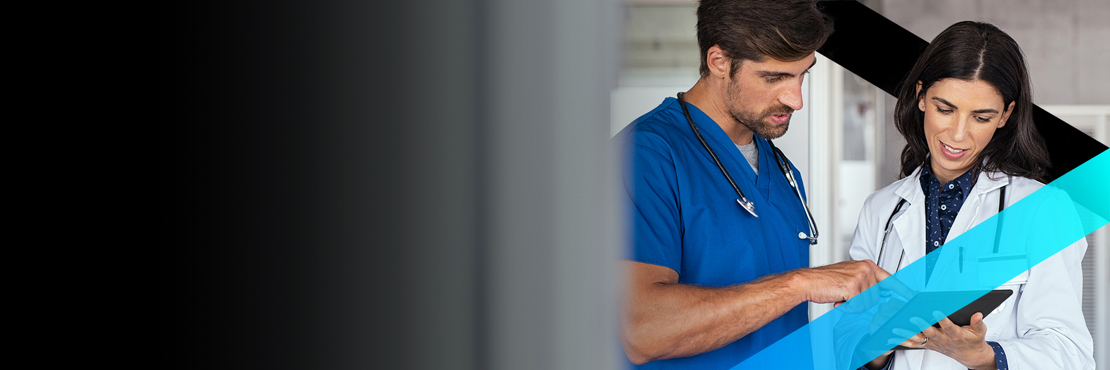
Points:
(962, 317)
(985, 304)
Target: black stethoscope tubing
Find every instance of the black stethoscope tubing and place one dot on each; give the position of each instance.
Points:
(780, 158)
(902, 202)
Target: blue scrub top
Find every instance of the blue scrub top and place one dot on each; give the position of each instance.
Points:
(684, 216)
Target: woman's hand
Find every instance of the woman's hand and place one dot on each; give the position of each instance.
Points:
(965, 344)
(885, 311)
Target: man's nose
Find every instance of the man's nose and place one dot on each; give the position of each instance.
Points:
(792, 97)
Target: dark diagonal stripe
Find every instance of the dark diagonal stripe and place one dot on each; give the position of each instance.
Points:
(883, 52)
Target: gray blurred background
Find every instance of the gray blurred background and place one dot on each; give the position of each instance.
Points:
(426, 184)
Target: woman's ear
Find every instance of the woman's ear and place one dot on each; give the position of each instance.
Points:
(1006, 114)
(920, 99)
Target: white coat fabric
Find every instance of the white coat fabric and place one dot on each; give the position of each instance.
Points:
(1040, 326)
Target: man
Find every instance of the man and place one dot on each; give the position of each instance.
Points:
(710, 283)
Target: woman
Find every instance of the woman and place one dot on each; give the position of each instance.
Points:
(965, 112)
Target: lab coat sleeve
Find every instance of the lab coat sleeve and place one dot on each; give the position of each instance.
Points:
(1051, 332)
(864, 244)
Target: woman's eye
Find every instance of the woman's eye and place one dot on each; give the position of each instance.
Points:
(982, 119)
(942, 110)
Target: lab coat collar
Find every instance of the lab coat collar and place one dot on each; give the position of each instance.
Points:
(910, 189)
(905, 227)
(989, 181)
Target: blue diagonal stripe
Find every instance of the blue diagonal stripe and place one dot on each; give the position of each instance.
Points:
(1034, 228)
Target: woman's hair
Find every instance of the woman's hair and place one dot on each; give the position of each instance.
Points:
(975, 51)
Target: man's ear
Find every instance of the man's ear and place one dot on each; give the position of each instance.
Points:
(1006, 114)
(718, 62)
(920, 98)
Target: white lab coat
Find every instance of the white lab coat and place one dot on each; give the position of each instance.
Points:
(1040, 326)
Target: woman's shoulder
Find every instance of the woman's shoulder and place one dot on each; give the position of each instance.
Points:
(888, 194)
(893, 188)
(1022, 186)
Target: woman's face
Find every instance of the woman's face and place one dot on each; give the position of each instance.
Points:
(960, 119)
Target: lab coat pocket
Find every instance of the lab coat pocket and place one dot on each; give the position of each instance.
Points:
(1017, 284)
(1002, 318)
(994, 268)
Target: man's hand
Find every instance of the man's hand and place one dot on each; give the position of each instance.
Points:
(664, 319)
(838, 282)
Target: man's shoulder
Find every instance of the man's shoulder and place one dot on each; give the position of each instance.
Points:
(661, 127)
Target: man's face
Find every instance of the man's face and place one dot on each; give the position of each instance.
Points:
(763, 95)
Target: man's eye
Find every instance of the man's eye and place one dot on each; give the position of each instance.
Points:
(774, 79)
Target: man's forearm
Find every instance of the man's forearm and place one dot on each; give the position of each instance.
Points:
(664, 319)
(677, 320)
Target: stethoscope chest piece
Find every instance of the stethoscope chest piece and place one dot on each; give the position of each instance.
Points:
(748, 206)
(743, 201)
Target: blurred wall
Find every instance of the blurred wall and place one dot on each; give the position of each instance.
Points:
(1065, 41)
(387, 185)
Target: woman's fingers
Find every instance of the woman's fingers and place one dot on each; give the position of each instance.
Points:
(977, 323)
(915, 340)
(920, 323)
(946, 325)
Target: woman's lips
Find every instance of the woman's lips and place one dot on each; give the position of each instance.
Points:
(951, 152)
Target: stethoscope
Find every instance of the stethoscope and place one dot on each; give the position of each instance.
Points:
(784, 166)
(898, 211)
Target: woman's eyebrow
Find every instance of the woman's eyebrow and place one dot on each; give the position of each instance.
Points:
(979, 111)
(945, 102)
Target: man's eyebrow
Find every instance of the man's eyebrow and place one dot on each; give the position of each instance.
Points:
(788, 74)
(774, 73)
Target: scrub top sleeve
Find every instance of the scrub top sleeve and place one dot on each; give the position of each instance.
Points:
(651, 183)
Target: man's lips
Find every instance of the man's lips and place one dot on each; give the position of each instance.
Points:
(780, 118)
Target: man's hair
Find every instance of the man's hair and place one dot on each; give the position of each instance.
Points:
(786, 30)
(972, 51)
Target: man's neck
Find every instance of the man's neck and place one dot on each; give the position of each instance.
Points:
(709, 96)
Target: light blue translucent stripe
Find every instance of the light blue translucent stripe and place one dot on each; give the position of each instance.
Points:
(1033, 229)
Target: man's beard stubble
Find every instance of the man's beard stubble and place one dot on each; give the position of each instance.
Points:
(758, 122)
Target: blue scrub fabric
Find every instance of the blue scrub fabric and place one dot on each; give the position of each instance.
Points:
(684, 216)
